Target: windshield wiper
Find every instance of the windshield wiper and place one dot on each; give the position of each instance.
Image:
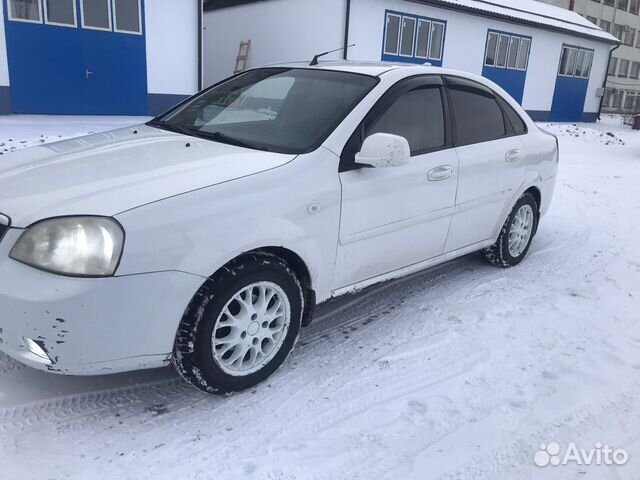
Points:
(172, 128)
(215, 136)
(223, 138)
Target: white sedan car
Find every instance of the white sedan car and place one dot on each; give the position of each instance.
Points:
(206, 237)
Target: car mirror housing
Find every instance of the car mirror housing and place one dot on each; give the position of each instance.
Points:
(383, 150)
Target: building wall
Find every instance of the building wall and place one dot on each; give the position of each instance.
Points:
(625, 89)
(5, 95)
(172, 51)
(169, 48)
(465, 43)
(279, 30)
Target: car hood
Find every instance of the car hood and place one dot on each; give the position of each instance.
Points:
(111, 172)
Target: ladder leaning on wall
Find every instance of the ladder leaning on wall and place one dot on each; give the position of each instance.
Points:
(243, 56)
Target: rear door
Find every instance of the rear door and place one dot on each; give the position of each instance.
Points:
(492, 161)
(398, 216)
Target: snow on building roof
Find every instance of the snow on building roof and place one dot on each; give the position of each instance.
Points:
(533, 12)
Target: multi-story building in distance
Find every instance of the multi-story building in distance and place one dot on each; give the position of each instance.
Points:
(621, 18)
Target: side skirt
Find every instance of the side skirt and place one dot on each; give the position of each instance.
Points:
(402, 272)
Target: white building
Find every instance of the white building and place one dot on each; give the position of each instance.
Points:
(132, 57)
(553, 61)
(622, 19)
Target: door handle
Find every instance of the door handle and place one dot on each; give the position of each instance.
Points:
(513, 155)
(440, 173)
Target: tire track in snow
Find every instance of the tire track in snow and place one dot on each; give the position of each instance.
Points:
(64, 408)
(8, 364)
(366, 309)
(568, 427)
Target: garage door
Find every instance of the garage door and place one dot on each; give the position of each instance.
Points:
(571, 84)
(506, 61)
(77, 56)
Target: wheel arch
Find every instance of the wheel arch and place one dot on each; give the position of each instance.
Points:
(537, 194)
(295, 262)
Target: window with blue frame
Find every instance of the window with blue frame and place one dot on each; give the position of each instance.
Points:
(575, 62)
(505, 50)
(412, 38)
(506, 60)
(94, 14)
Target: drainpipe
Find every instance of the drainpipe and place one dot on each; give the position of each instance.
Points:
(606, 79)
(345, 53)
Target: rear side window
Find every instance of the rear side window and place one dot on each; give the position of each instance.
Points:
(418, 116)
(517, 124)
(477, 115)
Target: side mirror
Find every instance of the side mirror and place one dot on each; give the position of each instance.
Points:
(382, 150)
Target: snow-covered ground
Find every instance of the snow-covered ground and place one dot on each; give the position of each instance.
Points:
(460, 372)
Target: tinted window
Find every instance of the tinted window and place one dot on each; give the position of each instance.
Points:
(477, 115)
(518, 125)
(418, 116)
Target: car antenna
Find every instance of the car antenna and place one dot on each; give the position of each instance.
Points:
(314, 62)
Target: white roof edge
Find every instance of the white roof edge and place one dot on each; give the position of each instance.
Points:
(532, 12)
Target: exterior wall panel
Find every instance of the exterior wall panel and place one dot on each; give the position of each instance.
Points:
(279, 30)
(172, 51)
(465, 47)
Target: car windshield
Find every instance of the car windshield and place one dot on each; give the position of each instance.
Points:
(280, 110)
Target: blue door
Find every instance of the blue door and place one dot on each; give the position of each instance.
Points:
(506, 61)
(77, 56)
(571, 84)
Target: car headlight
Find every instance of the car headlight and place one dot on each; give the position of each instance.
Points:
(76, 246)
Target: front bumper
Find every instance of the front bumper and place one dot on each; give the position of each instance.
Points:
(90, 326)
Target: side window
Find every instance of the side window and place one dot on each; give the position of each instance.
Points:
(418, 116)
(517, 124)
(477, 115)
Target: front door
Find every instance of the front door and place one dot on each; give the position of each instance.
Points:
(77, 56)
(398, 216)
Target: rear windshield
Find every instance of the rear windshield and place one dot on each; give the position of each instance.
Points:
(280, 110)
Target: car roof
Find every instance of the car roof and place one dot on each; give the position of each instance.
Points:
(375, 69)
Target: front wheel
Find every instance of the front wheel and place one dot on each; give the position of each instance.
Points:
(241, 326)
(516, 234)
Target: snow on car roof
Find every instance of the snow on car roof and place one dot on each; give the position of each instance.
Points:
(535, 12)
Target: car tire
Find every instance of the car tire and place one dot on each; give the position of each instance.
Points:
(516, 235)
(255, 304)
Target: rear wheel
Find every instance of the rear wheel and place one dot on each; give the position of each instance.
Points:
(241, 326)
(516, 234)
